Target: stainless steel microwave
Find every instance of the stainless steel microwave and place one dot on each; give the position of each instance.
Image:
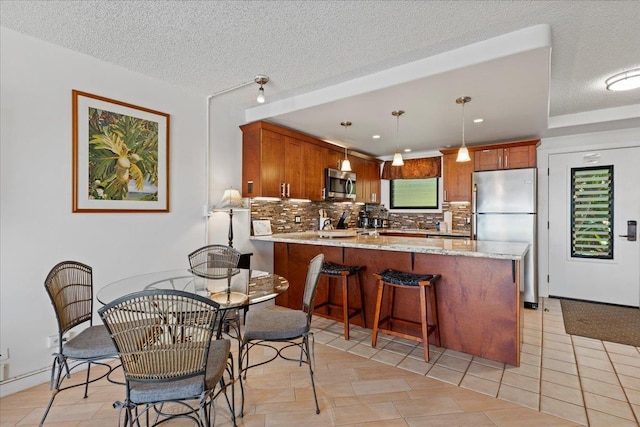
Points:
(340, 185)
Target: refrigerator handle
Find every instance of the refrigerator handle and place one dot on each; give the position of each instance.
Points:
(474, 212)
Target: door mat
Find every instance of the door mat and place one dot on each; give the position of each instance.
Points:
(604, 322)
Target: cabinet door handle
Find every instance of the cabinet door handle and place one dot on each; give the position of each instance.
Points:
(288, 190)
(322, 193)
(282, 190)
(506, 160)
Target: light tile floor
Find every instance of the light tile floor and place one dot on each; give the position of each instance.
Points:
(562, 381)
(587, 381)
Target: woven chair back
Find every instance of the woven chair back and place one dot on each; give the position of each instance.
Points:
(70, 287)
(161, 334)
(311, 284)
(214, 260)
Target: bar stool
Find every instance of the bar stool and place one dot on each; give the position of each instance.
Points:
(331, 271)
(425, 283)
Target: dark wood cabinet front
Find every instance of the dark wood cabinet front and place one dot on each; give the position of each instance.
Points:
(505, 156)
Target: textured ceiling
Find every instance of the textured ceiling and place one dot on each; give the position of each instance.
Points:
(304, 46)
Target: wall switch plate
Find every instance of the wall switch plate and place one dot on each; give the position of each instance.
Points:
(297, 219)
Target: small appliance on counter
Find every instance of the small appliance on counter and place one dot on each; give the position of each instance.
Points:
(363, 219)
(380, 223)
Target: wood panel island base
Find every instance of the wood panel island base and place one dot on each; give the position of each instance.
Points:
(479, 304)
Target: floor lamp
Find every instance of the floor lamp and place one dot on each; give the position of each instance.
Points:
(231, 199)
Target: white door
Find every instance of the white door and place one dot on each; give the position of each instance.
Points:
(584, 262)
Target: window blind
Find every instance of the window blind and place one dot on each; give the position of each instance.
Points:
(592, 212)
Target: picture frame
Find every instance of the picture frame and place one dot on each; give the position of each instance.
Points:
(262, 227)
(120, 156)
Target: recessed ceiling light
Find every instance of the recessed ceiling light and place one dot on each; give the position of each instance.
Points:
(478, 120)
(624, 81)
(407, 150)
(376, 137)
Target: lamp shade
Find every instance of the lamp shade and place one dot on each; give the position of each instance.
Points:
(397, 159)
(346, 166)
(463, 155)
(231, 199)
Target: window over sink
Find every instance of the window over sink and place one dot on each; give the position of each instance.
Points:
(414, 193)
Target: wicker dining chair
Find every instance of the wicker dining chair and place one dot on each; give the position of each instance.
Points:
(292, 327)
(173, 365)
(69, 285)
(218, 261)
(213, 260)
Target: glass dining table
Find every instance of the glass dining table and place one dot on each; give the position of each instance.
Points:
(232, 288)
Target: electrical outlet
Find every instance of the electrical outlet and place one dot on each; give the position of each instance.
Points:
(53, 341)
(297, 219)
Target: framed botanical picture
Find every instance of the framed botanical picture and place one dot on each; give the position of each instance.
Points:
(120, 156)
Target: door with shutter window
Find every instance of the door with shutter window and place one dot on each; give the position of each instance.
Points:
(594, 198)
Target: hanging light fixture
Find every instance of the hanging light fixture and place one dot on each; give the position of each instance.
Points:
(261, 80)
(345, 166)
(463, 152)
(397, 157)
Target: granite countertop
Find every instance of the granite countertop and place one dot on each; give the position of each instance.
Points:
(442, 246)
(425, 232)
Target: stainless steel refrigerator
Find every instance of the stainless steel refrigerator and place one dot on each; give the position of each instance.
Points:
(504, 208)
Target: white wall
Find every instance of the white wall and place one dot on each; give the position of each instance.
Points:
(568, 144)
(37, 228)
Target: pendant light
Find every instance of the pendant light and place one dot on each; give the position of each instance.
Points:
(345, 166)
(463, 152)
(261, 80)
(397, 157)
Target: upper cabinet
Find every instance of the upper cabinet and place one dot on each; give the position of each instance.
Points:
(506, 156)
(334, 159)
(456, 177)
(367, 179)
(279, 162)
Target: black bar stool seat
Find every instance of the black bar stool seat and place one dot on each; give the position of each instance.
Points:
(426, 285)
(332, 270)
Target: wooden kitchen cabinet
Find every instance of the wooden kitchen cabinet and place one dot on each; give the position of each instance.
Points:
(334, 159)
(367, 179)
(279, 170)
(373, 182)
(506, 156)
(313, 157)
(272, 163)
(456, 177)
(283, 163)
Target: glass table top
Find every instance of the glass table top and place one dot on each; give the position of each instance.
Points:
(229, 287)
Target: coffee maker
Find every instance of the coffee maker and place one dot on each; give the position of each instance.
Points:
(363, 220)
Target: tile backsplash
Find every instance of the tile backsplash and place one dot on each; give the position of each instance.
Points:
(283, 213)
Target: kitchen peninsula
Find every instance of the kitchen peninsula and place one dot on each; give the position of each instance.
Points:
(479, 303)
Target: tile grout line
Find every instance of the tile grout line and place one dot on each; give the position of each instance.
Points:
(624, 391)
